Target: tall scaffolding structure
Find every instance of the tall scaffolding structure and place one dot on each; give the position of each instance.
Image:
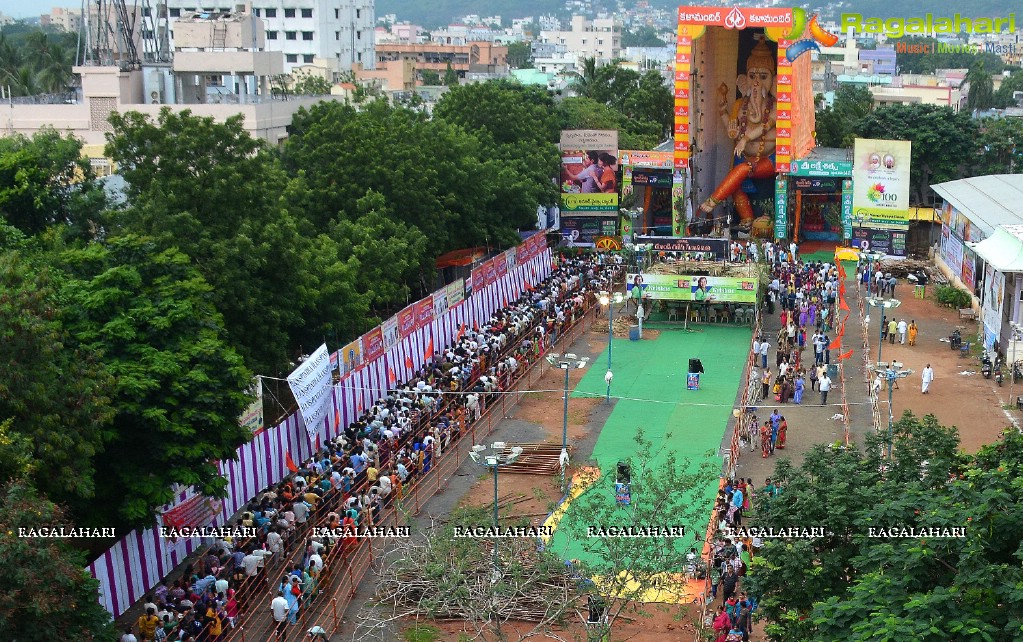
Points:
(113, 30)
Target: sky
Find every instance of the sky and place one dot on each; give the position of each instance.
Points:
(33, 8)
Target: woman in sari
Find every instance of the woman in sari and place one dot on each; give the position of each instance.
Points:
(783, 428)
(800, 386)
(765, 439)
(310, 580)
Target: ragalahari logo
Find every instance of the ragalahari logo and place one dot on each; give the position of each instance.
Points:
(817, 35)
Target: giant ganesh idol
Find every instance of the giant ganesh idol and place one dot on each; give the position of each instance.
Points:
(750, 122)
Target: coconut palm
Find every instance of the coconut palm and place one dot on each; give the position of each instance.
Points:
(582, 83)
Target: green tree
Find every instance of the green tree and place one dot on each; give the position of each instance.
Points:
(836, 124)
(982, 92)
(222, 197)
(448, 188)
(178, 387)
(45, 593)
(645, 36)
(663, 488)
(1004, 97)
(45, 181)
(855, 585)
(939, 136)
(430, 78)
(310, 85)
(520, 55)
(450, 76)
(54, 397)
(1000, 146)
(583, 82)
(518, 130)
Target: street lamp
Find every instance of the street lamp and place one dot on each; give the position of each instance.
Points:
(883, 304)
(566, 362)
(610, 301)
(891, 375)
(500, 456)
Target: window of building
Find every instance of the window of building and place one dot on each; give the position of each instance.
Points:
(584, 42)
(600, 42)
(271, 13)
(291, 57)
(307, 13)
(291, 35)
(256, 12)
(147, 12)
(358, 13)
(337, 14)
(175, 13)
(289, 13)
(271, 35)
(215, 81)
(307, 57)
(307, 35)
(359, 56)
(337, 35)
(358, 35)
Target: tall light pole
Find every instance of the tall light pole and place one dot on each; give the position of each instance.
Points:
(566, 362)
(500, 456)
(610, 301)
(882, 305)
(891, 376)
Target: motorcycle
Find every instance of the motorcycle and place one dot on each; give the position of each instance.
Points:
(998, 371)
(1017, 371)
(985, 366)
(956, 339)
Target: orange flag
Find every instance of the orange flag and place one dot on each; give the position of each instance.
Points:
(289, 462)
(429, 350)
(845, 355)
(842, 304)
(461, 331)
(391, 377)
(409, 363)
(836, 344)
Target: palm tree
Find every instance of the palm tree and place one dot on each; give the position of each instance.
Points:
(54, 69)
(582, 83)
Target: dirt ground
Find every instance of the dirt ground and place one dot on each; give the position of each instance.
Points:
(968, 401)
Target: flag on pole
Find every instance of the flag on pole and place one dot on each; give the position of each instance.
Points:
(391, 377)
(461, 331)
(845, 355)
(429, 350)
(289, 462)
(409, 363)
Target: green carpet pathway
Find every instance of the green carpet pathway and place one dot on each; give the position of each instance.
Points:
(650, 384)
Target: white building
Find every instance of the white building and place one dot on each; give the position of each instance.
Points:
(600, 38)
(302, 30)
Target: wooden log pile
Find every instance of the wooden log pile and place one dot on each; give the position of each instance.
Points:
(536, 459)
(901, 268)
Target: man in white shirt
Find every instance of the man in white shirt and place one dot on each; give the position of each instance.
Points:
(902, 327)
(927, 376)
(825, 386)
(279, 608)
(251, 564)
(301, 510)
(764, 347)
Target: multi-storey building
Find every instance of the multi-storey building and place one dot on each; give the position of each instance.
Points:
(302, 30)
(600, 38)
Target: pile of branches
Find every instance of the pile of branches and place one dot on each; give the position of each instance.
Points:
(901, 268)
(622, 324)
(709, 268)
(438, 576)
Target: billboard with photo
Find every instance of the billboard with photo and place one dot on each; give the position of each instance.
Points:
(881, 182)
(589, 164)
(701, 289)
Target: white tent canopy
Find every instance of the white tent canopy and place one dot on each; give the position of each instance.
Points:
(1003, 250)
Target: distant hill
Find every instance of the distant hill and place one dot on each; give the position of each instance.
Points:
(437, 13)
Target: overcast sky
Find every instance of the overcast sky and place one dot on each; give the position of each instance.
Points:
(33, 8)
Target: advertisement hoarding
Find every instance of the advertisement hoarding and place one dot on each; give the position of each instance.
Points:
(701, 289)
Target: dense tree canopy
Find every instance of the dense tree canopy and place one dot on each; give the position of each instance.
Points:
(982, 92)
(836, 124)
(45, 592)
(855, 584)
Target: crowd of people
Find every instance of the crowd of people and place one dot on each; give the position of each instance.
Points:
(731, 556)
(350, 482)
